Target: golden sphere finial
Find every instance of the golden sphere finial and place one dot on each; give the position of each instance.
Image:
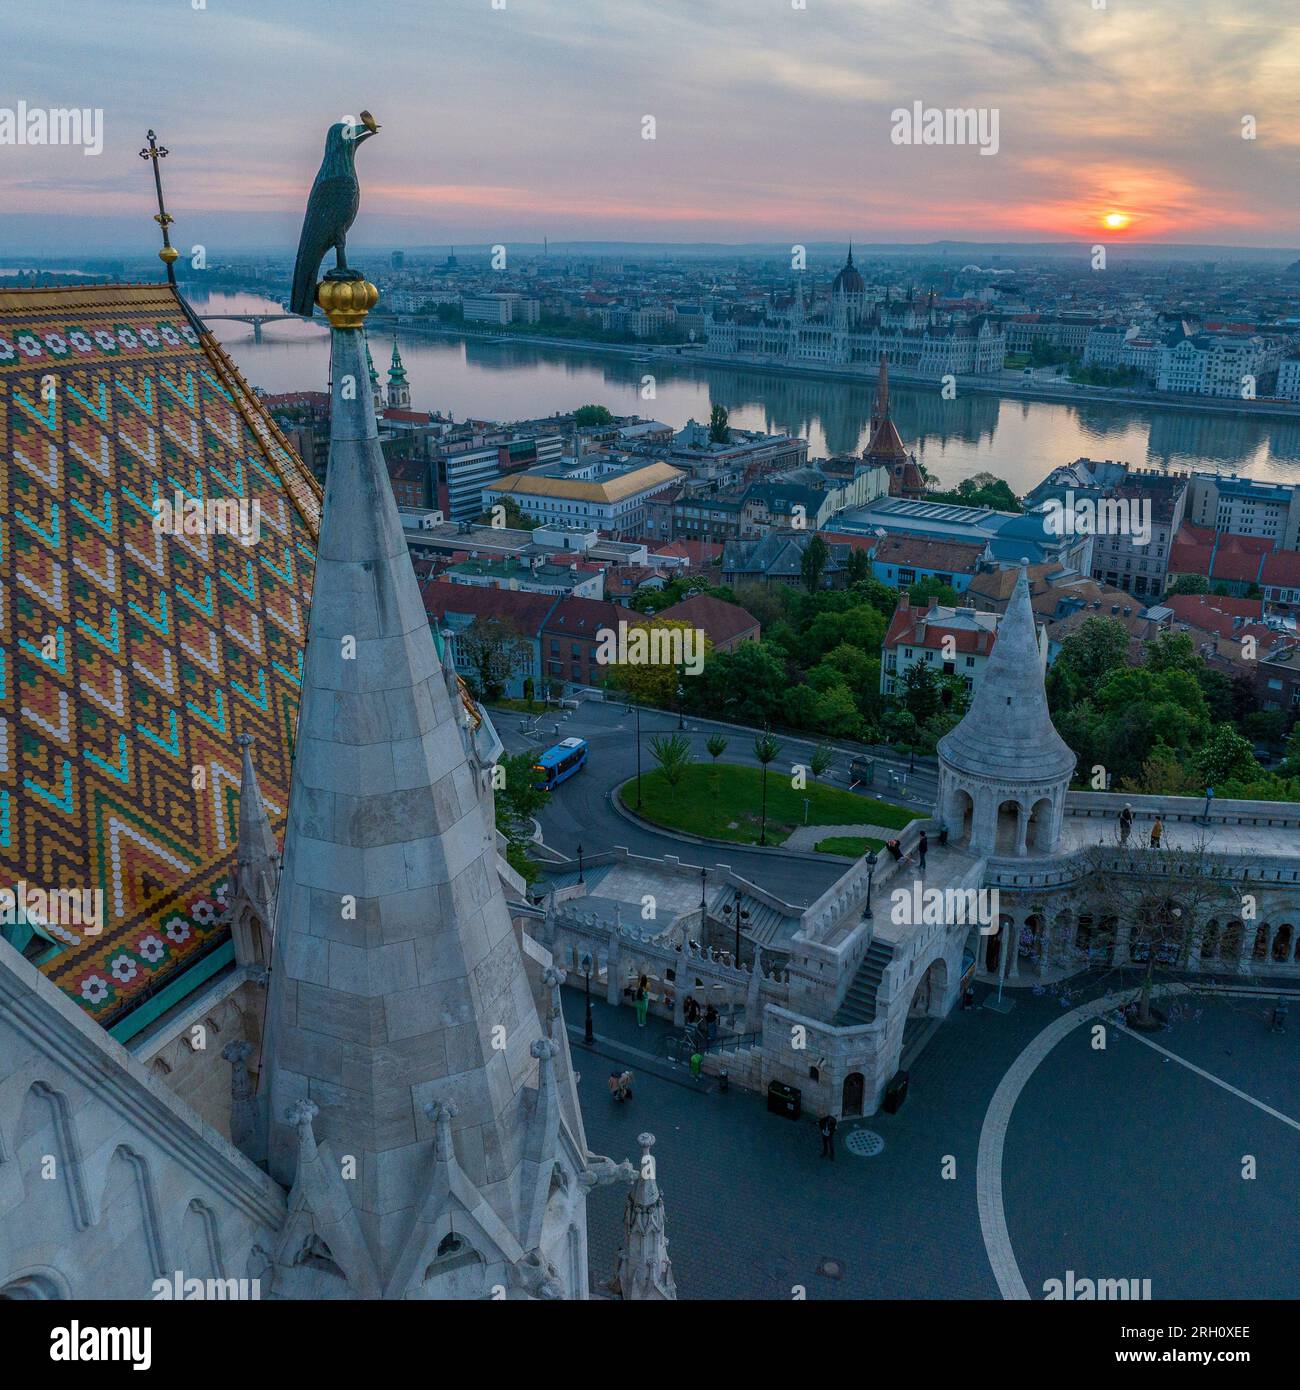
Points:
(169, 254)
(346, 302)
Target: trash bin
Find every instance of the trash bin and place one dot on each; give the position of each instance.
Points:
(895, 1093)
(785, 1100)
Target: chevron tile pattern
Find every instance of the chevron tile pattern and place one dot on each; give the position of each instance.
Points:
(130, 660)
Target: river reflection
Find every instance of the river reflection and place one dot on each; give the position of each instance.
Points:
(1013, 439)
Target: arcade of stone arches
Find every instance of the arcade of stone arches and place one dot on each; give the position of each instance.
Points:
(1052, 945)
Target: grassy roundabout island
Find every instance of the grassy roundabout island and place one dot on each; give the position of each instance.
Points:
(724, 802)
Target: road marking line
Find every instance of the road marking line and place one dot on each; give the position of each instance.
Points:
(1209, 1076)
(993, 1132)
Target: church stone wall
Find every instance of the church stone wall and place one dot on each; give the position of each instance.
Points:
(108, 1181)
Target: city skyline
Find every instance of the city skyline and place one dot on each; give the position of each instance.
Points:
(771, 123)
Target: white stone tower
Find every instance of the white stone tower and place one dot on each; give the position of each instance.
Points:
(415, 1105)
(1004, 770)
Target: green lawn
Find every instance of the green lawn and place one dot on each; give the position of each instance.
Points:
(854, 846)
(724, 803)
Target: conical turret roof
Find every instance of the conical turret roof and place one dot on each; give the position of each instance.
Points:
(1008, 734)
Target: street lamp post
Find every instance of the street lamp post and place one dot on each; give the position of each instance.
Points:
(638, 757)
(740, 918)
(704, 878)
(681, 714)
(581, 878)
(588, 1036)
(871, 868)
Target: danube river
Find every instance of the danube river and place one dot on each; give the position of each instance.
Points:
(1013, 439)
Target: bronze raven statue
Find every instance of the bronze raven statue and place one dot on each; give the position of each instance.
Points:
(331, 209)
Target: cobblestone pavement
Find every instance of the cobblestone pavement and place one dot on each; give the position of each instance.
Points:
(1119, 1163)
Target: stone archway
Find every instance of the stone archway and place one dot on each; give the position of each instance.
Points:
(1007, 831)
(853, 1094)
(1038, 837)
(962, 815)
(1032, 945)
(931, 990)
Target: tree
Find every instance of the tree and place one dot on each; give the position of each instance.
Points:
(511, 515)
(588, 415)
(717, 746)
(858, 566)
(517, 801)
(494, 650)
(766, 749)
(719, 428)
(920, 594)
(822, 757)
(654, 681)
(745, 684)
(813, 565)
(1097, 647)
(861, 627)
(1189, 584)
(837, 712)
(982, 490)
(673, 754)
(1227, 757)
(876, 595)
(1162, 775)
(921, 693)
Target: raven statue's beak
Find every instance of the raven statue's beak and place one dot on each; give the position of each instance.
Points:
(371, 125)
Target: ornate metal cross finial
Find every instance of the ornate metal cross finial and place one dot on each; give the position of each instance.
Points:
(169, 254)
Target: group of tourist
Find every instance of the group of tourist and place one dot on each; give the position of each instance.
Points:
(620, 1085)
(1126, 827)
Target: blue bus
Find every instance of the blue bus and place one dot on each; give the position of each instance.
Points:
(560, 763)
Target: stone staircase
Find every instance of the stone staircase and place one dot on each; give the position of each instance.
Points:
(859, 1003)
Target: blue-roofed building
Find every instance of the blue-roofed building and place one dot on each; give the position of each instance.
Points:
(1007, 537)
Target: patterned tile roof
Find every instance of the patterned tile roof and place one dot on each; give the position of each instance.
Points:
(131, 658)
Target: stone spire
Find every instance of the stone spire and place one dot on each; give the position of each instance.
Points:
(398, 988)
(1005, 767)
(257, 869)
(376, 390)
(644, 1270)
(1008, 732)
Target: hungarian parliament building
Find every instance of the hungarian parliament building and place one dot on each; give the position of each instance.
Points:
(911, 333)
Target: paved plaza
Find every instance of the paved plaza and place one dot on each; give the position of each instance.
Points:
(1117, 1163)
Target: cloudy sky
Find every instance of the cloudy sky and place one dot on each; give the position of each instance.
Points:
(772, 123)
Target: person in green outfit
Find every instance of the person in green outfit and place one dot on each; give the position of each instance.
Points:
(697, 1061)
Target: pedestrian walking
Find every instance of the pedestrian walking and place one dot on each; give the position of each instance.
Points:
(615, 1088)
(697, 1064)
(826, 1128)
(625, 1086)
(1125, 823)
(1157, 830)
(711, 1020)
(642, 1005)
(922, 845)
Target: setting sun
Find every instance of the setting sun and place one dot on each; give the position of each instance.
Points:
(1116, 221)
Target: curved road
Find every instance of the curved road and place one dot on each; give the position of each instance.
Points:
(579, 811)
